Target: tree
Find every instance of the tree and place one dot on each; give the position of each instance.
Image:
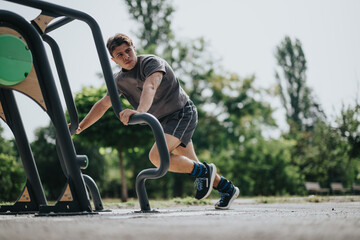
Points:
(302, 110)
(154, 18)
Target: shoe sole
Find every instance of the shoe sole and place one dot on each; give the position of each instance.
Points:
(237, 192)
(213, 173)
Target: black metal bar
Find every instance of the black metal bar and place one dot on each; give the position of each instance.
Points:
(13, 120)
(57, 24)
(94, 191)
(52, 101)
(151, 173)
(69, 100)
(98, 39)
(61, 159)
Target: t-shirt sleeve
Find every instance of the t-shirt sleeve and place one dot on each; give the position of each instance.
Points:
(152, 65)
(117, 87)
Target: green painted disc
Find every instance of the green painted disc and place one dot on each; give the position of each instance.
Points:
(15, 60)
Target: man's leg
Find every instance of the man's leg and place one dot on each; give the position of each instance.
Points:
(178, 163)
(185, 161)
(189, 152)
(228, 191)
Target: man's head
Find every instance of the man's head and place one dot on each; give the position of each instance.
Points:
(122, 50)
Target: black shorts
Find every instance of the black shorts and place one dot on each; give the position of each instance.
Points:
(182, 123)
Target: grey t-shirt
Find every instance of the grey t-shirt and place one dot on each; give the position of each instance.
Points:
(169, 96)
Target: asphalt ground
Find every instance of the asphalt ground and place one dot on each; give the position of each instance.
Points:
(293, 218)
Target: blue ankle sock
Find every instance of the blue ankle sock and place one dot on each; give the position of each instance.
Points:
(199, 170)
(225, 186)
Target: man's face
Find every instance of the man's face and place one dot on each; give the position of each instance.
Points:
(125, 56)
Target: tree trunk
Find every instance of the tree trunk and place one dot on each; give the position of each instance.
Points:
(124, 193)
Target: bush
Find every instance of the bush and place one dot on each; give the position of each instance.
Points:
(12, 178)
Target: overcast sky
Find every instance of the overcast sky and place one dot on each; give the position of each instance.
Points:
(243, 34)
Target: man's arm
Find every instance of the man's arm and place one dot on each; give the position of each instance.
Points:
(150, 86)
(96, 112)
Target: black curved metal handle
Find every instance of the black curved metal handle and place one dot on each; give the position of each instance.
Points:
(151, 173)
(65, 86)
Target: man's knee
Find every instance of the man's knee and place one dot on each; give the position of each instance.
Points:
(154, 157)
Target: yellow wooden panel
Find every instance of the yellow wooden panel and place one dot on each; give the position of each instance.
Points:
(10, 31)
(30, 87)
(67, 196)
(42, 21)
(25, 196)
(2, 115)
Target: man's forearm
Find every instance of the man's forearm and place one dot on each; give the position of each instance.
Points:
(146, 100)
(96, 112)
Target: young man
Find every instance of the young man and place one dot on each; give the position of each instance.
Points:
(150, 85)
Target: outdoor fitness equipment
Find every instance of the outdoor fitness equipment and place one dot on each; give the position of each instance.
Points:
(24, 67)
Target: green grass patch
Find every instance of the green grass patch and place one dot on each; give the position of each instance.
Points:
(114, 203)
(117, 203)
(189, 201)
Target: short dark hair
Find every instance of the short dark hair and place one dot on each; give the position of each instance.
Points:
(117, 40)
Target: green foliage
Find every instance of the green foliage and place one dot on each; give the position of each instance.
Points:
(6, 146)
(12, 176)
(47, 161)
(322, 155)
(262, 167)
(349, 127)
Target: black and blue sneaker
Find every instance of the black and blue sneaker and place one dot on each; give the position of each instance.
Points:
(227, 199)
(205, 179)
(228, 193)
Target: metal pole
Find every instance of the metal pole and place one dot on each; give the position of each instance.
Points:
(151, 173)
(13, 119)
(95, 194)
(69, 100)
